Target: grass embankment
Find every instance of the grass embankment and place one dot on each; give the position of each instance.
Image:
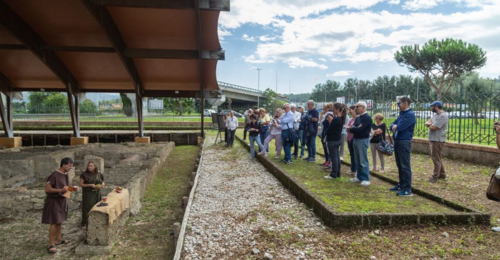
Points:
(147, 235)
(347, 197)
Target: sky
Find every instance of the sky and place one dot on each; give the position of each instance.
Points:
(297, 44)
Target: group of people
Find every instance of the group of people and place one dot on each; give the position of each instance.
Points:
(338, 124)
(57, 188)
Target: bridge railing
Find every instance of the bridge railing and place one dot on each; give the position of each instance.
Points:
(228, 85)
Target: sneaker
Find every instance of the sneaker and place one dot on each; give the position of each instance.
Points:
(312, 160)
(261, 153)
(442, 178)
(283, 160)
(306, 159)
(365, 183)
(288, 162)
(496, 229)
(328, 177)
(395, 188)
(265, 155)
(354, 179)
(341, 158)
(381, 171)
(432, 179)
(404, 193)
(295, 157)
(277, 157)
(351, 173)
(301, 156)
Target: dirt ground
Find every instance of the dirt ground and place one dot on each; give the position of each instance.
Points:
(146, 235)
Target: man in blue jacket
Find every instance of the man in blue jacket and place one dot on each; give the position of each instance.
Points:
(361, 131)
(403, 128)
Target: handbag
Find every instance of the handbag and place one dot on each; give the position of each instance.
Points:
(493, 191)
(386, 148)
(292, 135)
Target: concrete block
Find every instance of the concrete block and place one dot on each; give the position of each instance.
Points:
(79, 140)
(143, 140)
(11, 142)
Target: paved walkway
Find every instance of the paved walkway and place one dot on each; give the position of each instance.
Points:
(240, 210)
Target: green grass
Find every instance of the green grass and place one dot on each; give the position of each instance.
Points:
(346, 197)
(161, 207)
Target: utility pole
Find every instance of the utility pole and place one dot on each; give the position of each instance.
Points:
(258, 87)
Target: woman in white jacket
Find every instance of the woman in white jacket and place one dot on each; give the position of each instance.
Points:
(275, 133)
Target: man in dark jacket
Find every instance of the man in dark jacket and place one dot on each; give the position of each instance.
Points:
(361, 131)
(310, 131)
(403, 128)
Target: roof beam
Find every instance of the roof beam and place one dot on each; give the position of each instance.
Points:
(32, 41)
(173, 54)
(209, 5)
(5, 85)
(131, 52)
(106, 22)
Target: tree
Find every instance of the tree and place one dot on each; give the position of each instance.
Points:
(127, 105)
(88, 106)
(328, 91)
(270, 101)
(441, 62)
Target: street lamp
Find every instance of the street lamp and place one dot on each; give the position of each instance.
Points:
(258, 87)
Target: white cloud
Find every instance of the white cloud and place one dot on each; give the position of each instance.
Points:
(358, 35)
(248, 38)
(300, 63)
(341, 73)
(421, 4)
(223, 33)
(266, 38)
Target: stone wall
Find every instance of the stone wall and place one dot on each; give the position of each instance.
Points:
(479, 154)
(140, 182)
(121, 164)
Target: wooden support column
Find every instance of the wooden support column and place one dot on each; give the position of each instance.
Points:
(73, 102)
(6, 114)
(200, 64)
(138, 102)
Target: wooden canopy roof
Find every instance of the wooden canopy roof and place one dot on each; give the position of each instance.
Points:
(149, 47)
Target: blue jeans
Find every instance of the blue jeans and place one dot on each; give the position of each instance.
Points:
(402, 151)
(287, 145)
(303, 136)
(252, 144)
(333, 148)
(299, 140)
(351, 152)
(311, 145)
(263, 136)
(361, 157)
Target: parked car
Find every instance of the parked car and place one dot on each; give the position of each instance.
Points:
(208, 112)
(226, 112)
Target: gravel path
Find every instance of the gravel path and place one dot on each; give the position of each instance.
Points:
(241, 211)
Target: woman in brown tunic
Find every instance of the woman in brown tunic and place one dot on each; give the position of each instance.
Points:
(91, 182)
(55, 209)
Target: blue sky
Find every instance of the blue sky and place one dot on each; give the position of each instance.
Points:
(306, 42)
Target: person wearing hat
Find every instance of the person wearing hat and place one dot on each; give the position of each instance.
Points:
(361, 130)
(438, 126)
(403, 128)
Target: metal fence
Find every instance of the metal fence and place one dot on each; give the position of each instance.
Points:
(471, 116)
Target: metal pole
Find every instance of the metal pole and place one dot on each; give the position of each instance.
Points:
(418, 86)
(258, 87)
(460, 115)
